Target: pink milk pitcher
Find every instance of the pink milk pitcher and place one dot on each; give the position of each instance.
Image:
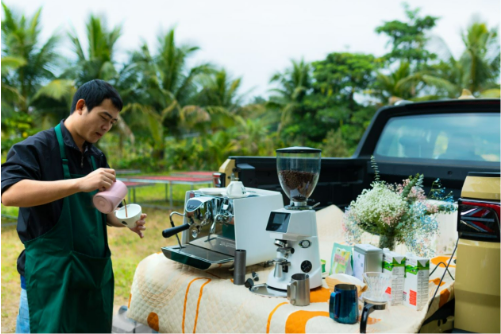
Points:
(108, 200)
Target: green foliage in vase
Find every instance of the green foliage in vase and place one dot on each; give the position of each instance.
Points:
(375, 168)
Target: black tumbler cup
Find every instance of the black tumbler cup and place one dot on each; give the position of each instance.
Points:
(239, 267)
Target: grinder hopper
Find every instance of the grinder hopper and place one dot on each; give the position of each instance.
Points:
(298, 170)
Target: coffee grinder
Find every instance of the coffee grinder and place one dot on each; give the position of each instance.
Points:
(294, 228)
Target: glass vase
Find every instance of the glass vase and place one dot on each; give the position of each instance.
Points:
(387, 241)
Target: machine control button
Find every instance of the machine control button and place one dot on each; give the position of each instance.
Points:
(306, 266)
(305, 243)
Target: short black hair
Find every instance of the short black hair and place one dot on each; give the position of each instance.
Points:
(94, 93)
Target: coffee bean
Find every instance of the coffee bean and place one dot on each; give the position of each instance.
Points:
(302, 182)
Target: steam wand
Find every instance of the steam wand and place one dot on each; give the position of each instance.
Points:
(172, 223)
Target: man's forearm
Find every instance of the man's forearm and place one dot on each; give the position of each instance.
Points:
(113, 221)
(28, 193)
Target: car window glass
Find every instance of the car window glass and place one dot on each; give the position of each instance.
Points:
(440, 144)
(471, 137)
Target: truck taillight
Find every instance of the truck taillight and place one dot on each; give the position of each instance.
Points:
(218, 180)
(478, 220)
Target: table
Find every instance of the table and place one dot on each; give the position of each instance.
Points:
(133, 186)
(195, 174)
(127, 171)
(169, 181)
(172, 297)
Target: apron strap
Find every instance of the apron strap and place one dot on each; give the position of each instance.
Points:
(60, 140)
(66, 170)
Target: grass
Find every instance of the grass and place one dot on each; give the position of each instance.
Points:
(10, 212)
(126, 247)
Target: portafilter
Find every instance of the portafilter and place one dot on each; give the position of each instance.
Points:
(200, 211)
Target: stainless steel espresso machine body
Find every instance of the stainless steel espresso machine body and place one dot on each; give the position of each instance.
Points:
(216, 225)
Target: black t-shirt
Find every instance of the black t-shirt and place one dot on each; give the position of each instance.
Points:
(38, 158)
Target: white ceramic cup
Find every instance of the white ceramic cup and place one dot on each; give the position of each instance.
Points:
(235, 189)
(133, 215)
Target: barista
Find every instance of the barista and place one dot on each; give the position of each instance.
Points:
(66, 271)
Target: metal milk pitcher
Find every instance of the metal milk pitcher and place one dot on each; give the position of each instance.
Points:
(298, 290)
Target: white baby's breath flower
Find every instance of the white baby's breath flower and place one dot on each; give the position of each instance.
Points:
(378, 205)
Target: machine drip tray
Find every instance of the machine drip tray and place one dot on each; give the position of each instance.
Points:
(198, 257)
(264, 290)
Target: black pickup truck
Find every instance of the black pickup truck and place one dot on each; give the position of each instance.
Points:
(440, 139)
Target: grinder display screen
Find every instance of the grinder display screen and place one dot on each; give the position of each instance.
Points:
(278, 222)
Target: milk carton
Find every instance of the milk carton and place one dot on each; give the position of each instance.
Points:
(417, 271)
(394, 264)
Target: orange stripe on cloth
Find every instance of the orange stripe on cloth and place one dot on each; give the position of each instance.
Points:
(444, 297)
(198, 304)
(445, 259)
(436, 281)
(320, 295)
(153, 321)
(296, 322)
(186, 298)
(271, 315)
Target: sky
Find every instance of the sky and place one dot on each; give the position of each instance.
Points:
(255, 39)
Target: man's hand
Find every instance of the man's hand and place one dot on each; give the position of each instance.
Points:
(140, 225)
(100, 179)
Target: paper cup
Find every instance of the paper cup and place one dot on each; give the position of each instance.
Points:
(133, 214)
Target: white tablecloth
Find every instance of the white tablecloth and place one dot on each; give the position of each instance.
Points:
(171, 297)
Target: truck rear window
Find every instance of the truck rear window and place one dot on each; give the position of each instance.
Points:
(471, 137)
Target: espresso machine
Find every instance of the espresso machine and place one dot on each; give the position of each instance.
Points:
(215, 225)
(293, 229)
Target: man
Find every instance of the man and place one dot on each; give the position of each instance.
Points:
(66, 271)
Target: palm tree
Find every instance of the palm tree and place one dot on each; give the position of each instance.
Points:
(98, 62)
(10, 94)
(54, 101)
(166, 90)
(388, 86)
(253, 138)
(218, 89)
(219, 97)
(480, 60)
(27, 64)
(401, 84)
(294, 83)
(477, 69)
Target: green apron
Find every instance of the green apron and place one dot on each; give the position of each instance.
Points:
(68, 271)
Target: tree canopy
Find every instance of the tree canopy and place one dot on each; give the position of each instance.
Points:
(179, 116)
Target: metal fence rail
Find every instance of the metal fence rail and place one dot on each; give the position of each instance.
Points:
(10, 218)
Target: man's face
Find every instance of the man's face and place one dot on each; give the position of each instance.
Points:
(94, 124)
